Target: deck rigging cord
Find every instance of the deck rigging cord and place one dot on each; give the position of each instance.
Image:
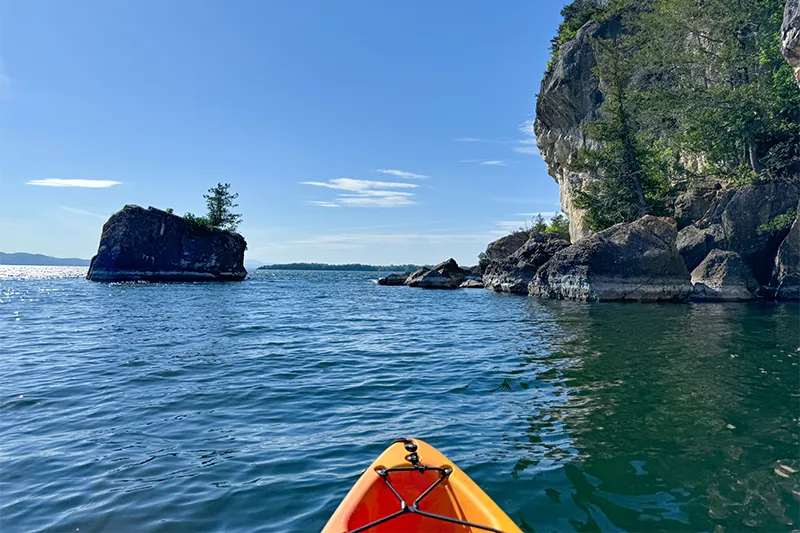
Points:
(405, 508)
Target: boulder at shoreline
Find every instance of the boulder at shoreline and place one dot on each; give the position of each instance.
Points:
(139, 244)
(445, 275)
(514, 272)
(629, 261)
(723, 276)
(394, 280)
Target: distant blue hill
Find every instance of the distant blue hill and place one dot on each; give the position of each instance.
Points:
(22, 258)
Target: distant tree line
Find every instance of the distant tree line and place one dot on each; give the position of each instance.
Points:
(350, 267)
(693, 91)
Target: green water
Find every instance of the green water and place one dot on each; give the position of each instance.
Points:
(254, 406)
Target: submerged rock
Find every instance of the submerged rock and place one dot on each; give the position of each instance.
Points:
(445, 275)
(515, 272)
(787, 263)
(141, 244)
(631, 261)
(724, 276)
(394, 279)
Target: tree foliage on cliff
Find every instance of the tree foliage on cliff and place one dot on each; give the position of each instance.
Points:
(685, 80)
(220, 203)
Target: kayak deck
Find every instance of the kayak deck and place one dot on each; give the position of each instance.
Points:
(412, 487)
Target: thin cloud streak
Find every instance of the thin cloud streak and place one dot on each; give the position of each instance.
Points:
(403, 174)
(82, 212)
(487, 141)
(486, 162)
(366, 193)
(349, 184)
(88, 184)
(364, 240)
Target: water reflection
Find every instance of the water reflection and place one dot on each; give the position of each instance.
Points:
(643, 428)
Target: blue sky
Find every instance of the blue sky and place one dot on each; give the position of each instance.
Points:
(354, 131)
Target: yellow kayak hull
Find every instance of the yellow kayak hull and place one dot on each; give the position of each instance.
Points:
(455, 496)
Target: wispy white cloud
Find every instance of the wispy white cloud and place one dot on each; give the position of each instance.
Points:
(403, 174)
(545, 214)
(510, 225)
(527, 128)
(366, 193)
(528, 144)
(350, 184)
(82, 212)
(479, 140)
(389, 200)
(486, 162)
(324, 204)
(58, 182)
(527, 149)
(347, 241)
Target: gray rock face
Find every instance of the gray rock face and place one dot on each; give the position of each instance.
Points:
(636, 261)
(694, 243)
(724, 276)
(505, 246)
(471, 284)
(750, 208)
(693, 205)
(515, 272)
(140, 244)
(787, 264)
(569, 97)
(394, 279)
(733, 222)
(790, 36)
(445, 275)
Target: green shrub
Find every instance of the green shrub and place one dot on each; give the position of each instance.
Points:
(197, 223)
(558, 224)
(779, 223)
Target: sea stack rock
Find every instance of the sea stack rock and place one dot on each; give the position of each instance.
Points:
(141, 244)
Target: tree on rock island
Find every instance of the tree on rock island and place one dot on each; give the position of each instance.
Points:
(220, 203)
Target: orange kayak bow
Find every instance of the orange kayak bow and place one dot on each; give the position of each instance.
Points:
(411, 487)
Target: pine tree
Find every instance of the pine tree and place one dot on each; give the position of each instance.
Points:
(220, 203)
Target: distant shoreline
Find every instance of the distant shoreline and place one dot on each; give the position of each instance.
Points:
(354, 267)
(26, 259)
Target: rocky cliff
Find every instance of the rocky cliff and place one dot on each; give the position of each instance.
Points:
(790, 36)
(569, 98)
(141, 244)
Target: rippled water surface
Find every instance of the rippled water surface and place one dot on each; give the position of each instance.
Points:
(254, 406)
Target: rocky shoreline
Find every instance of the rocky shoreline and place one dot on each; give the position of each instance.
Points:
(734, 252)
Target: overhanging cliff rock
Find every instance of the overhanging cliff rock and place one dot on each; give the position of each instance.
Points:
(569, 98)
(141, 244)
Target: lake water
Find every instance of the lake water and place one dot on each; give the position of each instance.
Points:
(254, 406)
